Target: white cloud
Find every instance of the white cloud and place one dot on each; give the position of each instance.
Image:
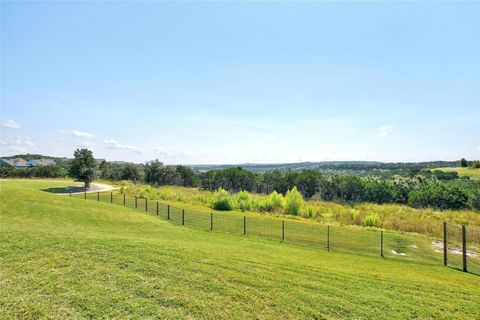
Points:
(170, 153)
(17, 141)
(9, 123)
(17, 144)
(80, 134)
(384, 131)
(114, 145)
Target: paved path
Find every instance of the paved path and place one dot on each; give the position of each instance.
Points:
(94, 187)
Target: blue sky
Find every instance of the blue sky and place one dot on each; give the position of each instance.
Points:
(242, 82)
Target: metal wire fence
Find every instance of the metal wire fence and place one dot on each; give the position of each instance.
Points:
(463, 247)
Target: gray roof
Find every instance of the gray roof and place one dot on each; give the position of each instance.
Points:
(42, 162)
(16, 162)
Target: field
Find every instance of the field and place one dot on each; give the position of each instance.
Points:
(468, 172)
(67, 257)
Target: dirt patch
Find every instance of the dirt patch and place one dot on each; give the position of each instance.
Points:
(438, 245)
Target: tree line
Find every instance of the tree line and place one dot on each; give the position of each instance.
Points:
(417, 188)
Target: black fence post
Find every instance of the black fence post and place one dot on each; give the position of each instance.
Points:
(244, 225)
(183, 217)
(157, 208)
(111, 197)
(98, 196)
(168, 212)
(146, 204)
(283, 230)
(381, 244)
(464, 247)
(211, 220)
(445, 244)
(85, 195)
(70, 194)
(124, 199)
(328, 238)
(135, 202)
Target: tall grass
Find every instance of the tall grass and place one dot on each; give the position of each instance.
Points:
(387, 216)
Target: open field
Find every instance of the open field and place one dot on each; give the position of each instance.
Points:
(67, 257)
(468, 172)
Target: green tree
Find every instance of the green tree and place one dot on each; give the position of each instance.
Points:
(463, 163)
(307, 182)
(83, 166)
(293, 201)
(476, 164)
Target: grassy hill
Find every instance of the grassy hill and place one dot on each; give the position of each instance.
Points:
(66, 257)
(468, 172)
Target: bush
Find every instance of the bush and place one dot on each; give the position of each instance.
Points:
(474, 200)
(371, 220)
(273, 202)
(476, 164)
(221, 200)
(438, 196)
(293, 201)
(244, 200)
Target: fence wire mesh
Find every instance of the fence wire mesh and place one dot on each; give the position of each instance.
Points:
(389, 244)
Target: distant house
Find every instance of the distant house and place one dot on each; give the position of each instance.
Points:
(18, 163)
(41, 162)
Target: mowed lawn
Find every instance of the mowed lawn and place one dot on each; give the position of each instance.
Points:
(66, 257)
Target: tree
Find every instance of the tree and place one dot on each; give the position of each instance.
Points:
(439, 196)
(153, 172)
(476, 164)
(83, 166)
(463, 163)
(307, 182)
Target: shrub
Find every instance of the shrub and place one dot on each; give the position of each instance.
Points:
(221, 200)
(273, 202)
(293, 201)
(474, 200)
(476, 164)
(439, 196)
(371, 220)
(244, 200)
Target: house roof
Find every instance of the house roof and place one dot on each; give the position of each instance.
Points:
(16, 162)
(42, 162)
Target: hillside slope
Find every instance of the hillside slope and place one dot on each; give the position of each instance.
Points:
(64, 257)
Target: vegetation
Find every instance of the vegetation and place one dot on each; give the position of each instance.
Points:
(420, 188)
(33, 172)
(465, 172)
(68, 258)
(83, 166)
(389, 216)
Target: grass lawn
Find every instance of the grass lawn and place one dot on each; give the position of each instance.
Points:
(67, 257)
(469, 172)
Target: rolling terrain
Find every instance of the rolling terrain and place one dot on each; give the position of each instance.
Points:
(66, 257)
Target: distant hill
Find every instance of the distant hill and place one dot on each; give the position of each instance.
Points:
(32, 156)
(347, 166)
(333, 166)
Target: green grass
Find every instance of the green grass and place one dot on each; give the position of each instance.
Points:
(469, 172)
(67, 257)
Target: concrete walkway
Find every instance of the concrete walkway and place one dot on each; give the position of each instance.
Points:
(94, 187)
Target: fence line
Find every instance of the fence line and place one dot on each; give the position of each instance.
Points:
(458, 248)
